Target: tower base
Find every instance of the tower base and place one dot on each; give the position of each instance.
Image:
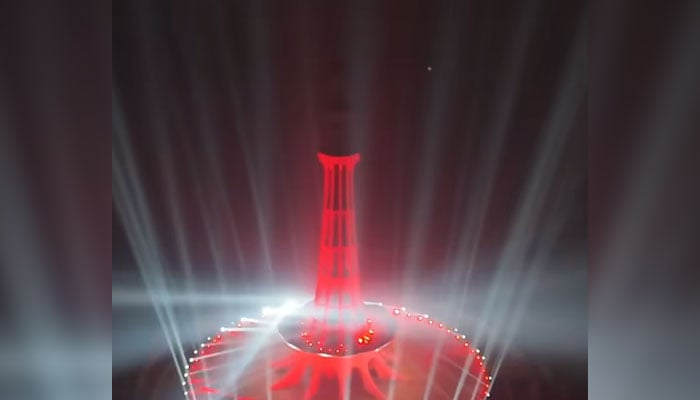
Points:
(337, 333)
(424, 359)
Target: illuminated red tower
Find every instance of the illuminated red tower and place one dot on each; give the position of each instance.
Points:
(338, 333)
(338, 279)
(336, 341)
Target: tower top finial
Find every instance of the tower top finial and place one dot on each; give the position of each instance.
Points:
(346, 160)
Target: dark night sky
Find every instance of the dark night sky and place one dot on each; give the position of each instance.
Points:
(276, 82)
(224, 105)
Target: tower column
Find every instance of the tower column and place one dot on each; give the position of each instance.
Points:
(338, 279)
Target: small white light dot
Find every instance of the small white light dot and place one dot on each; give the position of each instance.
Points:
(430, 68)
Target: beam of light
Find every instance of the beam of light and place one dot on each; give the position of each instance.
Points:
(263, 126)
(462, 379)
(489, 162)
(442, 92)
(471, 234)
(255, 320)
(213, 168)
(245, 329)
(219, 353)
(231, 91)
(254, 158)
(146, 339)
(126, 297)
(129, 199)
(176, 216)
(167, 169)
(398, 357)
(531, 280)
(289, 306)
(254, 347)
(205, 371)
(433, 368)
(513, 262)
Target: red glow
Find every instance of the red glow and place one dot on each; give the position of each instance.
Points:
(338, 367)
(362, 336)
(349, 341)
(338, 278)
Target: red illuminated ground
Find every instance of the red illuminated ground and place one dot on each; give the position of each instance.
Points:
(265, 361)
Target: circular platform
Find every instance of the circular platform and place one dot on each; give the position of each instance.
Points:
(344, 334)
(424, 356)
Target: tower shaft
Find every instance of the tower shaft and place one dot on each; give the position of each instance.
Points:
(338, 279)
